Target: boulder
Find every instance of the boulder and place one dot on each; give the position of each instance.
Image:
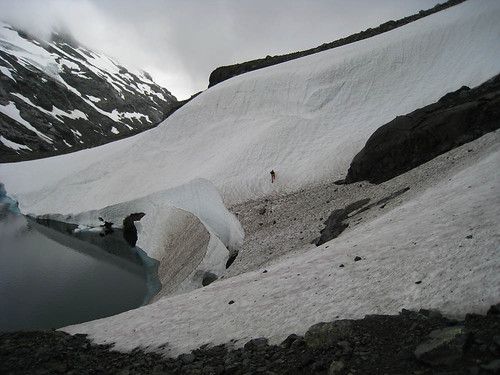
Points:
(444, 346)
(324, 335)
(413, 139)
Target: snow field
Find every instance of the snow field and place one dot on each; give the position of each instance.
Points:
(418, 255)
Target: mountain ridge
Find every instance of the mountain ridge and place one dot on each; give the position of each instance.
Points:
(57, 96)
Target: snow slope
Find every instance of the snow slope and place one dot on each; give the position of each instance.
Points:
(306, 119)
(417, 255)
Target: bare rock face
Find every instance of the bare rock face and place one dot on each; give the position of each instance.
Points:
(411, 140)
(57, 97)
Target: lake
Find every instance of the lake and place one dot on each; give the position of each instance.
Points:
(50, 278)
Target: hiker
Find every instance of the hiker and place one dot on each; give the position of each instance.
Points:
(273, 176)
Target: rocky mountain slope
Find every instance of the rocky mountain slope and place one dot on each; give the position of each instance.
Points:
(57, 96)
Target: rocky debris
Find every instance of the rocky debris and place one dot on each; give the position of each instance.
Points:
(225, 72)
(411, 140)
(444, 347)
(411, 342)
(292, 222)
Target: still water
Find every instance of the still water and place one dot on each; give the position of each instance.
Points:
(49, 279)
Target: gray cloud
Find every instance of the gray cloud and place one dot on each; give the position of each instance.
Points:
(181, 42)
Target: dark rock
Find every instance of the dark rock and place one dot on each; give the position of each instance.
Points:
(231, 259)
(325, 335)
(129, 229)
(444, 346)
(406, 353)
(262, 211)
(494, 310)
(208, 278)
(357, 259)
(256, 343)
(493, 366)
(335, 225)
(187, 358)
(346, 347)
(287, 343)
(336, 367)
(409, 141)
(59, 367)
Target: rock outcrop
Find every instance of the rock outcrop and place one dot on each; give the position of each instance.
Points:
(413, 139)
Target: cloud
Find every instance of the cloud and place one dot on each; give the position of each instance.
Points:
(181, 42)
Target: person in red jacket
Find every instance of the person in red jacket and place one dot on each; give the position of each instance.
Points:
(273, 176)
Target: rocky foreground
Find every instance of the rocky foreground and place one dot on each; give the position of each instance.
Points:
(411, 342)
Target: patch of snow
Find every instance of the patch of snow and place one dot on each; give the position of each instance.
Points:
(56, 112)
(74, 114)
(115, 130)
(70, 64)
(76, 133)
(128, 115)
(13, 145)
(6, 72)
(12, 111)
(93, 98)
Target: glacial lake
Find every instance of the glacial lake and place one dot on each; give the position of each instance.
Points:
(49, 279)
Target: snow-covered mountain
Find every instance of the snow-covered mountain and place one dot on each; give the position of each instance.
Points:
(306, 119)
(57, 96)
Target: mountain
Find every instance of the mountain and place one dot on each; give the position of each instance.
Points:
(434, 245)
(58, 96)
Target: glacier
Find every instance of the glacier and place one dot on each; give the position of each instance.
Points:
(306, 119)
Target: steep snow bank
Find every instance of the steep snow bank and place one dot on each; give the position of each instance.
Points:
(186, 228)
(306, 119)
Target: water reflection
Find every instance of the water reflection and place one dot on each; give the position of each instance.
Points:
(49, 279)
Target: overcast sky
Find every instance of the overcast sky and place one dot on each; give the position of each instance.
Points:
(180, 42)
